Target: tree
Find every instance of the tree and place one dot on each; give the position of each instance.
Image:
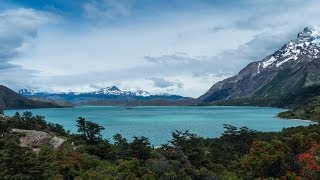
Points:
(3, 127)
(266, 159)
(140, 148)
(180, 139)
(121, 146)
(90, 130)
(18, 162)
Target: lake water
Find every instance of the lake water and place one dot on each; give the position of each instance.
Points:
(157, 123)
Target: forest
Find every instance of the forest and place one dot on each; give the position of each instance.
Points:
(240, 153)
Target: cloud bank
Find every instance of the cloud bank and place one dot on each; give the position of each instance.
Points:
(18, 28)
(180, 47)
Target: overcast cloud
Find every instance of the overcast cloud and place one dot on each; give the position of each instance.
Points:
(178, 47)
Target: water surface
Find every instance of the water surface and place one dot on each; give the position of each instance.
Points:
(157, 123)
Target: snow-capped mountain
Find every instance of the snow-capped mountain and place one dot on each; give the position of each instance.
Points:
(105, 94)
(27, 92)
(113, 90)
(116, 91)
(294, 66)
(305, 47)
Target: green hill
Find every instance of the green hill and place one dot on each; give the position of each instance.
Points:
(304, 104)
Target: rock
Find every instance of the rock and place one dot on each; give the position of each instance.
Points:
(56, 141)
(34, 139)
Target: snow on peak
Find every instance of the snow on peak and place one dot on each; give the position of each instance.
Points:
(116, 91)
(306, 46)
(26, 91)
(109, 91)
(309, 32)
(142, 93)
(268, 62)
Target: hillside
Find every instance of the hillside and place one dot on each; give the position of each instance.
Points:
(12, 100)
(304, 104)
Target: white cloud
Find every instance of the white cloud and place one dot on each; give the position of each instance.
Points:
(195, 48)
(69, 60)
(17, 26)
(163, 83)
(17, 29)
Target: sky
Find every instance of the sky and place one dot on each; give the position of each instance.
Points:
(160, 46)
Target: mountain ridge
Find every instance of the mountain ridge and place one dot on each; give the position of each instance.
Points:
(294, 66)
(112, 90)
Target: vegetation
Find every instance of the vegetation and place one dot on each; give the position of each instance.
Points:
(256, 101)
(30, 122)
(240, 153)
(304, 104)
(90, 130)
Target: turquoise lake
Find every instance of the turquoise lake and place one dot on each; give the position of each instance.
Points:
(157, 123)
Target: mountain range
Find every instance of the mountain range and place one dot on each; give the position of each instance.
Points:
(107, 96)
(294, 66)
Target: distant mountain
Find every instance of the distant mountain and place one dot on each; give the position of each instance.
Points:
(12, 100)
(294, 66)
(107, 96)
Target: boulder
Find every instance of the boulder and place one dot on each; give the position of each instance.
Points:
(34, 139)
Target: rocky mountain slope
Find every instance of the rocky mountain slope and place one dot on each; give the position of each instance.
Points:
(12, 100)
(294, 66)
(107, 96)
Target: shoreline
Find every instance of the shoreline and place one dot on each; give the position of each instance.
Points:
(304, 120)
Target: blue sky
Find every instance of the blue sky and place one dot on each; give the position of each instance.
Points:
(170, 46)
